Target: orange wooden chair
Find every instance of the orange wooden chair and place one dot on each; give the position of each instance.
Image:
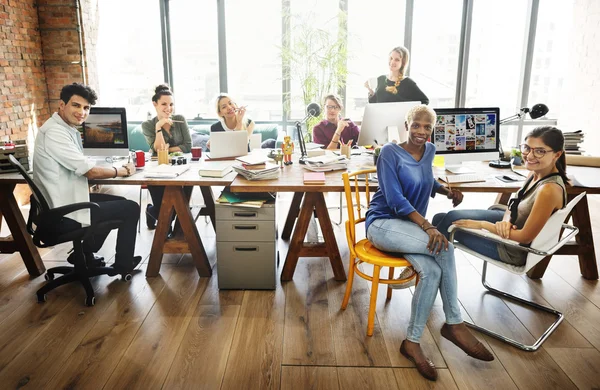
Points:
(363, 251)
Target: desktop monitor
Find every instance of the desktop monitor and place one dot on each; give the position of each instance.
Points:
(104, 133)
(466, 134)
(384, 122)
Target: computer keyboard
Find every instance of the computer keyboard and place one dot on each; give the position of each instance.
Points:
(465, 178)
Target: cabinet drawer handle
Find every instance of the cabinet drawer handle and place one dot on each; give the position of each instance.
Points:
(245, 227)
(245, 249)
(245, 215)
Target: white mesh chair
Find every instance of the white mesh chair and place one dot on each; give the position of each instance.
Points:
(545, 244)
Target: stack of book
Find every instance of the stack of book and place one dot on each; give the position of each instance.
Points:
(314, 178)
(329, 162)
(215, 168)
(246, 199)
(573, 140)
(264, 171)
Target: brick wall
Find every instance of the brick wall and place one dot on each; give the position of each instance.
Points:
(582, 83)
(23, 91)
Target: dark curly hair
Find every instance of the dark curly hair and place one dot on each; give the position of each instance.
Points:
(161, 90)
(78, 89)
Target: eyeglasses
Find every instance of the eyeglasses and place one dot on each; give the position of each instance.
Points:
(537, 152)
(332, 107)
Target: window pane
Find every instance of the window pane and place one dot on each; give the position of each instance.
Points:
(435, 46)
(550, 59)
(129, 58)
(314, 28)
(254, 58)
(495, 60)
(195, 56)
(369, 47)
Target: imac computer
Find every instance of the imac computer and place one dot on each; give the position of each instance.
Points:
(104, 133)
(466, 134)
(384, 122)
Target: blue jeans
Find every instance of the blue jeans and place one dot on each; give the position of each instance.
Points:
(435, 271)
(478, 244)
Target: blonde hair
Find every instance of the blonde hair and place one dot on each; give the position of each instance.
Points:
(405, 56)
(218, 101)
(419, 111)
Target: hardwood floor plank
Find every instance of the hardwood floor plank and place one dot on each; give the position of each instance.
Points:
(214, 296)
(92, 362)
(256, 352)
(201, 360)
(582, 365)
(146, 362)
(409, 378)
(52, 346)
(367, 378)
(307, 337)
(309, 377)
(566, 268)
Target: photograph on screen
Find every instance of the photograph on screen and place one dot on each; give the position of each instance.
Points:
(103, 129)
(466, 130)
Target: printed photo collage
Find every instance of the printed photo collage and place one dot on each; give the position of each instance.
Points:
(465, 132)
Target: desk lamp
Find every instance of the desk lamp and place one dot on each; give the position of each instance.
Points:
(537, 111)
(312, 110)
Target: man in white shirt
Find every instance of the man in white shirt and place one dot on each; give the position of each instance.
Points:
(61, 171)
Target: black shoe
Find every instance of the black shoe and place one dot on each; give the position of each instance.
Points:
(91, 260)
(150, 220)
(122, 268)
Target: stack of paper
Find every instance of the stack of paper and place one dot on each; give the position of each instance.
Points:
(573, 140)
(247, 199)
(270, 171)
(165, 171)
(326, 163)
(215, 168)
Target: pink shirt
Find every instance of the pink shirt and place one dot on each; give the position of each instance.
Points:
(324, 130)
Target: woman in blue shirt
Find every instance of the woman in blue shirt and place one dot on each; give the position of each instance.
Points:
(396, 223)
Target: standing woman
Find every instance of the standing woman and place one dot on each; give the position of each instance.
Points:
(396, 223)
(394, 87)
(164, 129)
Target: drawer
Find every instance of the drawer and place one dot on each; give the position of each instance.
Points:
(246, 265)
(245, 231)
(265, 213)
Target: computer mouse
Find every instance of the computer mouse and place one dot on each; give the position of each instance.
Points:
(505, 177)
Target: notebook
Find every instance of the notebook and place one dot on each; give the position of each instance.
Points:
(165, 171)
(314, 178)
(228, 144)
(215, 168)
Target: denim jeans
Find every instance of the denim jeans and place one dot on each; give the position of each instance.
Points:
(435, 271)
(479, 244)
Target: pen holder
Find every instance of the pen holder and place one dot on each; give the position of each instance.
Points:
(345, 150)
(163, 157)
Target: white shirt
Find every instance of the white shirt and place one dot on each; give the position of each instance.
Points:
(59, 166)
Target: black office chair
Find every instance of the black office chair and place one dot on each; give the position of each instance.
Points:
(42, 225)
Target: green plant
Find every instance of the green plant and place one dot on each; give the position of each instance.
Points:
(516, 153)
(376, 151)
(315, 59)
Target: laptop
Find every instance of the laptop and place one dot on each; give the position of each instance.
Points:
(228, 144)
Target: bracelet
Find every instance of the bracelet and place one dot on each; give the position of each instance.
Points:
(430, 227)
(127, 169)
(116, 172)
(423, 225)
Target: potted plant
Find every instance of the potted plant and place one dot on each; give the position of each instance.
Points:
(516, 157)
(315, 59)
(376, 152)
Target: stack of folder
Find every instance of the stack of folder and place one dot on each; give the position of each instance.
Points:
(246, 199)
(267, 172)
(329, 162)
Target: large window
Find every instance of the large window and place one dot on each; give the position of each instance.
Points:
(129, 56)
(495, 59)
(195, 56)
(550, 59)
(372, 34)
(254, 57)
(435, 48)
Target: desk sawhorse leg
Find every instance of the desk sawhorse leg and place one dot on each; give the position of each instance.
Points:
(312, 201)
(175, 198)
(584, 249)
(20, 240)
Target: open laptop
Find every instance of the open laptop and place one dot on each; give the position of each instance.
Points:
(228, 144)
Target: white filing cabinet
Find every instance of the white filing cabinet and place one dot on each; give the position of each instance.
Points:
(246, 247)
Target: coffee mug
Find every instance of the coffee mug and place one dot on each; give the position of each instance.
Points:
(140, 158)
(196, 152)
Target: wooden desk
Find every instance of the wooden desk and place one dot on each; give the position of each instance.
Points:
(174, 199)
(584, 246)
(307, 199)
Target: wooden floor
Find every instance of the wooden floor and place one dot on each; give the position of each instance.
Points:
(179, 331)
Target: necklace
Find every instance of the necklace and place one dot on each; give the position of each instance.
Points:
(393, 89)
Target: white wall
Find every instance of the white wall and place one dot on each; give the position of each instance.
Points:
(581, 99)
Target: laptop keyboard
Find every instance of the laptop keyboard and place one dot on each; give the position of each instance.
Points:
(465, 178)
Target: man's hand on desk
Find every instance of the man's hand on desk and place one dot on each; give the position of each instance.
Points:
(99, 172)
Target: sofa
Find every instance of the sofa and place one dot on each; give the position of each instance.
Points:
(199, 132)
